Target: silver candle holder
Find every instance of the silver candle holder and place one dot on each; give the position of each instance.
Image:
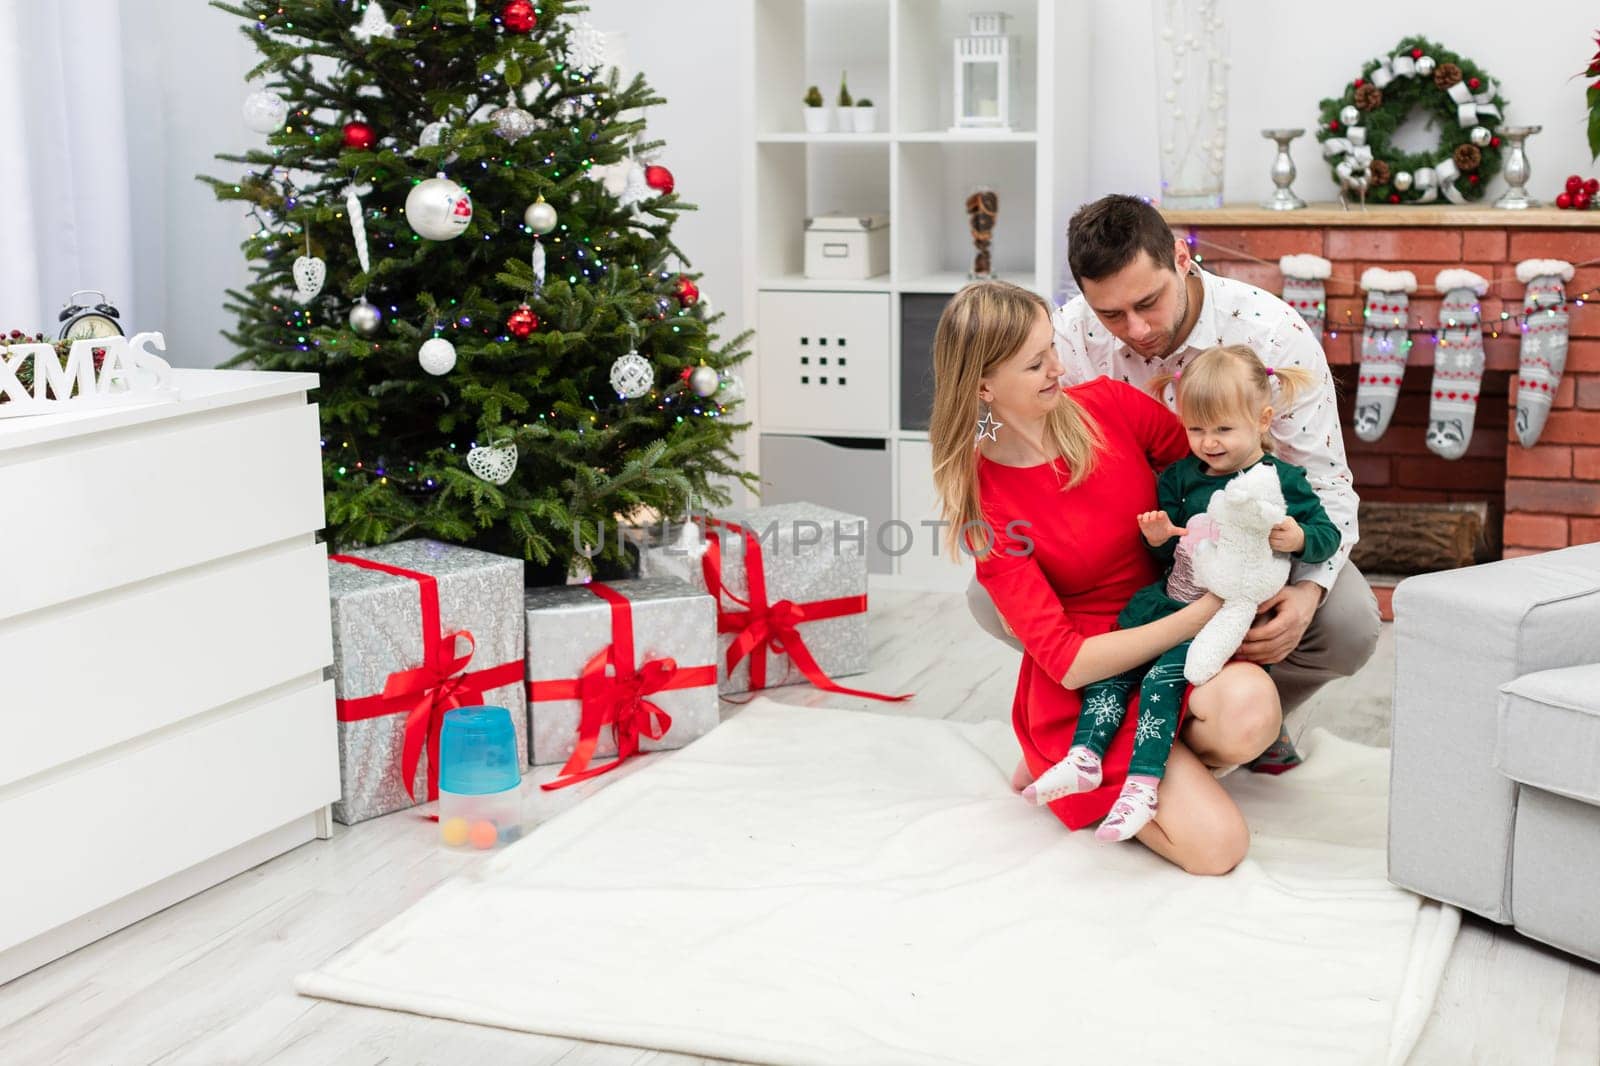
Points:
(1283, 172)
(1516, 197)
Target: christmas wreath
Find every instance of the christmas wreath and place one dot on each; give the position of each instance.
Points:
(1453, 91)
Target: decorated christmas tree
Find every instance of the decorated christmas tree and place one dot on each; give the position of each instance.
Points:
(459, 232)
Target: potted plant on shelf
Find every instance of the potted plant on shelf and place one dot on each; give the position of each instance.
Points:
(816, 114)
(846, 122)
(866, 116)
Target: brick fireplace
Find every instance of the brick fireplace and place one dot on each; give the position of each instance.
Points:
(1539, 498)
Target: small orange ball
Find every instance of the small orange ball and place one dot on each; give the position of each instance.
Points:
(483, 835)
(453, 831)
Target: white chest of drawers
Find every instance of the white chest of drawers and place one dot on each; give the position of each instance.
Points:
(164, 722)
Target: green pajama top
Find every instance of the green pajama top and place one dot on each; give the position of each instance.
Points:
(1185, 489)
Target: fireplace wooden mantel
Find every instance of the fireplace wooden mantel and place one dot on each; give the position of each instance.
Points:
(1549, 495)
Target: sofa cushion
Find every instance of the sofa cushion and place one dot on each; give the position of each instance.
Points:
(1549, 731)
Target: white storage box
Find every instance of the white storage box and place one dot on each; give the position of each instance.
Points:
(847, 247)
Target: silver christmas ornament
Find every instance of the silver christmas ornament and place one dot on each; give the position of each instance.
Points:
(632, 376)
(704, 381)
(1481, 136)
(540, 217)
(512, 123)
(1350, 115)
(437, 356)
(365, 318)
(432, 133)
(1401, 180)
(1425, 66)
(265, 112)
(438, 208)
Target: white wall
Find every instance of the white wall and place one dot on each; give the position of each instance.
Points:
(1286, 57)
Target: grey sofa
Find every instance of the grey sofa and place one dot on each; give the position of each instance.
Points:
(1494, 797)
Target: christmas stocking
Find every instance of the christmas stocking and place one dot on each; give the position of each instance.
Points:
(1457, 363)
(1544, 343)
(1384, 346)
(1303, 290)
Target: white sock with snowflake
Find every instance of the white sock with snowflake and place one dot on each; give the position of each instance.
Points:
(1079, 772)
(1457, 363)
(1384, 347)
(1303, 288)
(1133, 810)
(1544, 343)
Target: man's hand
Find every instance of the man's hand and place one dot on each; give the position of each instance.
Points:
(1287, 536)
(1281, 623)
(1157, 528)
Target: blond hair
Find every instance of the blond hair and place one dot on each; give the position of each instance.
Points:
(1230, 383)
(982, 326)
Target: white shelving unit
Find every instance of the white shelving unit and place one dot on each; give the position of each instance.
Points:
(833, 403)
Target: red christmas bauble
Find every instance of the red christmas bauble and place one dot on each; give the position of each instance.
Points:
(659, 179)
(359, 135)
(518, 16)
(1581, 201)
(1394, 198)
(1592, 186)
(1564, 200)
(522, 322)
(1574, 183)
(688, 292)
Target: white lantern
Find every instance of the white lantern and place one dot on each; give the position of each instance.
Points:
(983, 74)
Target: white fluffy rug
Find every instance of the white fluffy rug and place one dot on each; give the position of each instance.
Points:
(815, 886)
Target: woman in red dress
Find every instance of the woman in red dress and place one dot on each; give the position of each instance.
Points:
(1047, 501)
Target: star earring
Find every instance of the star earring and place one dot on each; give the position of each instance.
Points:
(987, 427)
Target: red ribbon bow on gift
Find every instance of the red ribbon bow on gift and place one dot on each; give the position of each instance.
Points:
(619, 698)
(424, 693)
(763, 626)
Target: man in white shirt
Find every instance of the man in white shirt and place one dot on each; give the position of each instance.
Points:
(1147, 309)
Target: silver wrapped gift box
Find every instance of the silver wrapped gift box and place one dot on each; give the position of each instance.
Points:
(379, 643)
(671, 632)
(811, 557)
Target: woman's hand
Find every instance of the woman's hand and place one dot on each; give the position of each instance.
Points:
(1287, 536)
(1157, 528)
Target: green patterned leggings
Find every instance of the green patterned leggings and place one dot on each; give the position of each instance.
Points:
(1160, 695)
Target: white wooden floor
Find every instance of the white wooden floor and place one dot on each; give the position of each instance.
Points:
(208, 981)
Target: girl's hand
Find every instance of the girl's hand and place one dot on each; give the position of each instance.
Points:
(1157, 528)
(1287, 536)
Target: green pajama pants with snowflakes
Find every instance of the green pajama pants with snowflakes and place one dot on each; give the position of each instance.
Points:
(1160, 695)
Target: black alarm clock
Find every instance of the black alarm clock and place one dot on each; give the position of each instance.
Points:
(86, 321)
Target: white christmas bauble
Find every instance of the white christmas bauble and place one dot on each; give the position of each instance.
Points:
(432, 133)
(1401, 180)
(632, 376)
(437, 356)
(309, 274)
(1425, 66)
(438, 208)
(540, 217)
(265, 112)
(365, 318)
(494, 465)
(703, 380)
(1481, 136)
(1349, 115)
(512, 123)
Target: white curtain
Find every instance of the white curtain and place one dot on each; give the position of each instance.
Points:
(65, 218)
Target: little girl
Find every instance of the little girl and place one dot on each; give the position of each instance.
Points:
(1224, 399)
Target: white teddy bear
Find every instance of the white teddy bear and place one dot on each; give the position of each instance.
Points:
(1238, 565)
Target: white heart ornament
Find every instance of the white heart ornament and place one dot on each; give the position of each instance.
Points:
(309, 274)
(495, 465)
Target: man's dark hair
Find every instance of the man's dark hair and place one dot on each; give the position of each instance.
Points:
(1107, 235)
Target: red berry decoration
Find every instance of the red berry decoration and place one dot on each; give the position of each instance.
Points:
(1574, 183)
(1394, 198)
(1563, 200)
(1472, 179)
(688, 292)
(1473, 83)
(659, 179)
(359, 135)
(1494, 142)
(522, 322)
(518, 16)
(1334, 126)
(1416, 53)
(1358, 83)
